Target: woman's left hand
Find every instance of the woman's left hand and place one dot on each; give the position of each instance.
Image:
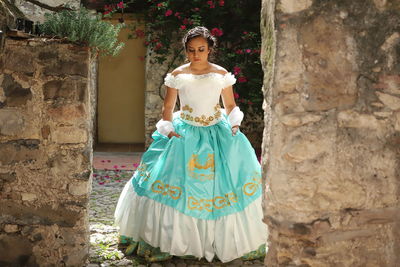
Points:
(235, 129)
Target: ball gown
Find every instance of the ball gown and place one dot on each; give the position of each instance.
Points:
(198, 194)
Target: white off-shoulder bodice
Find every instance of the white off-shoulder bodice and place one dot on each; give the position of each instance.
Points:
(199, 95)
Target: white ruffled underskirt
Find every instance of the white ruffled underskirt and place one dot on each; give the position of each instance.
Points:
(228, 237)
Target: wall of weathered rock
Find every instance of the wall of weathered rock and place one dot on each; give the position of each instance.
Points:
(36, 13)
(155, 91)
(331, 145)
(46, 113)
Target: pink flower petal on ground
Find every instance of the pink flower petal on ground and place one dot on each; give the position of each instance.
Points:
(101, 183)
(107, 176)
(103, 161)
(119, 181)
(123, 166)
(115, 166)
(108, 160)
(94, 175)
(135, 165)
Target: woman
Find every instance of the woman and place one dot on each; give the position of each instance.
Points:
(197, 190)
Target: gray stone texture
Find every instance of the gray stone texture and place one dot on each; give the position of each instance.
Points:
(47, 107)
(36, 13)
(331, 144)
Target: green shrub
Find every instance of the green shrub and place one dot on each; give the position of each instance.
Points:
(83, 27)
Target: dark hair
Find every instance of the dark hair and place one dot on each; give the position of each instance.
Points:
(202, 32)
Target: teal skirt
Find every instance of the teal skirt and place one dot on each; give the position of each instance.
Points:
(206, 173)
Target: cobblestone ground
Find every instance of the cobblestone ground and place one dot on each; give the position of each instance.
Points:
(104, 251)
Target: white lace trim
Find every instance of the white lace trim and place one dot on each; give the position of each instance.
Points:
(178, 80)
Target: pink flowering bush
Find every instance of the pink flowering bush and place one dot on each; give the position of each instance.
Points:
(234, 23)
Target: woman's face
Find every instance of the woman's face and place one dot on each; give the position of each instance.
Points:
(197, 50)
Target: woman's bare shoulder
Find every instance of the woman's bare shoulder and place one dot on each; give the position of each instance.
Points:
(180, 69)
(219, 69)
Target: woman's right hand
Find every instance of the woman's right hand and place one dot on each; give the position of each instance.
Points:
(173, 134)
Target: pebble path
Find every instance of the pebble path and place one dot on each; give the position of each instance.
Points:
(106, 188)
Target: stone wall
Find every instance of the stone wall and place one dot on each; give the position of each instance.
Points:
(36, 13)
(46, 113)
(332, 139)
(155, 90)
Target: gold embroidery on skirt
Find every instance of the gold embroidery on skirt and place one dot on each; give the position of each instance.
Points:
(159, 187)
(217, 202)
(142, 170)
(194, 164)
(251, 188)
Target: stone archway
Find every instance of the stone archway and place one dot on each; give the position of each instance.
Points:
(332, 139)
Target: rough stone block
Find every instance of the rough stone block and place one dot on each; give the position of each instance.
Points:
(47, 55)
(397, 121)
(289, 75)
(11, 122)
(353, 119)
(13, 212)
(292, 6)
(328, 85)
(20, 59)
(337, 236)
(62, 68)
(78, 189)
(306, 148)
(70, 90)
(45, 131)
(22, 251)
(15, 94)
(389, 83)
(67, 113)
(299, 119)
(390, 101)
(391, 42)
(19, 151)
(71, 162)
(380, 4)
(10, 228)
(28, 196)
(69, 135)
(6, 178)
